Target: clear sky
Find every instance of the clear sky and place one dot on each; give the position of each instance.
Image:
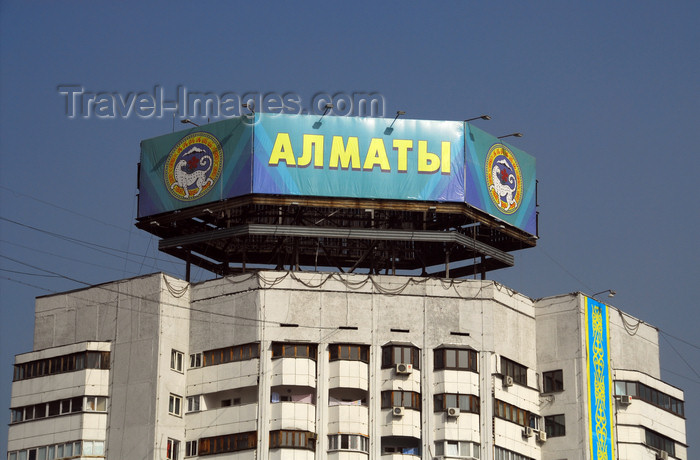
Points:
(606, 93)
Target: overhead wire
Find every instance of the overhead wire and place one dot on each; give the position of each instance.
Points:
(62, 208)
(83, 243)
(682, 358)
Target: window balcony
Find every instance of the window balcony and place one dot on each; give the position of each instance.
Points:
(222, 420)
(211, 379)
(348, 419)
(294, 371)
(348, 374)
(293, 416)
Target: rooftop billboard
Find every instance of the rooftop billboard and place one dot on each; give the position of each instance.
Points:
(345, 157)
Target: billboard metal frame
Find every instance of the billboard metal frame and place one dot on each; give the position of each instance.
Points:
(253, 219)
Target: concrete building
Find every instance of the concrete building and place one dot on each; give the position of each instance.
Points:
(285, 365)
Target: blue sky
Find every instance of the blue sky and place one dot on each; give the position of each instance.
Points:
(607, 95)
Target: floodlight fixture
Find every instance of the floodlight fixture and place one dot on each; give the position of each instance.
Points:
(610, 292)
(327, 107)
(482, 117)
(188, 121)
(511, 135)
(250, 106)
(398, 114)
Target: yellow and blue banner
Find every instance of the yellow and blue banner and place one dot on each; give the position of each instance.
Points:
(345, 157)
(600, 395)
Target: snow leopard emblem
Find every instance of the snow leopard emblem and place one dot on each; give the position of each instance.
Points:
(504, 179)
(193, 166)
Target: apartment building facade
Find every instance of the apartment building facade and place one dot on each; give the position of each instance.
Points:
(293, 365)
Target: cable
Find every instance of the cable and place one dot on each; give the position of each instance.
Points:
(680, 375)
(76, 241)
(682, 358)
(27, 273)
(679, 339)
(54, 205)
(565, 270)
(65, 257)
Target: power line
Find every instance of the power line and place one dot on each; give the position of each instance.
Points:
(679, 339)
(681, 357)
(88, 245)
(27, 273)
(54, 205)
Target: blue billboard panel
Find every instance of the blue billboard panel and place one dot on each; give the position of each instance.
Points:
(359, 158)
(500, 179)
(195, 166)
(344, 157)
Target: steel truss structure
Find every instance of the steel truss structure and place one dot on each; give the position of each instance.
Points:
(447, 240)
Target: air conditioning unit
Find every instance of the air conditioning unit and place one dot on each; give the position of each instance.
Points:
(542, 436)
(662, 455)
(507, 381)
(625, 400)
(528, 432)
(397, 411)
(453, 411)
(404, 368)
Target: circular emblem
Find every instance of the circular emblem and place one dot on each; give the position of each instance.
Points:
(504, 179)
(193, 166)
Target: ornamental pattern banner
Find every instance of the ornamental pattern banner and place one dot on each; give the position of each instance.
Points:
(600, 399)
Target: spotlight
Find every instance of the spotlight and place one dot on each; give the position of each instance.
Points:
(511, 135)
(482, 117)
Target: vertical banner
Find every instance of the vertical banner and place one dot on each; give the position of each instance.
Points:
(600, 400)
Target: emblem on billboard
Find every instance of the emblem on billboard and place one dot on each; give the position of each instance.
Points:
(504, 179)
(193, 166)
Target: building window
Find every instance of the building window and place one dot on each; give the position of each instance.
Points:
(465, 403)
(196, 360)
(504, 454)
(554, 425)
(293, 350)
(553, 381)
(191, 449)
(457, 449)
(293, 438)
(175, 405)
(90, 449)
(348, 352)
(176, 360)
(193, 403)
(650, 395)
(454, 358)
(515, 370)
(396, 398)
(227, 443)
(660, 442)
(511, 413)
(400, 354)
(60, 451)
(62, 364)
(96, 404)
(405, 445)
(352, 442)
(231, 354)
(172, 450)
(58, 407)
